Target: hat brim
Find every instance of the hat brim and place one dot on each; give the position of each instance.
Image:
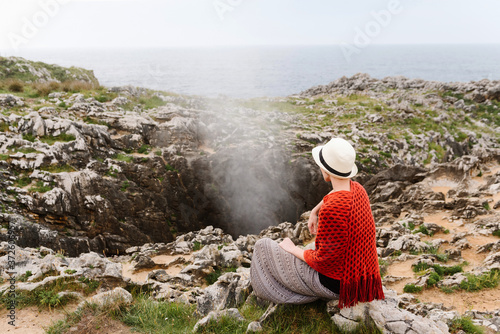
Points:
(315, 154)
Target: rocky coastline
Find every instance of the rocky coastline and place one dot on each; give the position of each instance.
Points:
(138, 189)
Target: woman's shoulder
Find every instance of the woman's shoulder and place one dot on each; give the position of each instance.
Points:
(338, 196)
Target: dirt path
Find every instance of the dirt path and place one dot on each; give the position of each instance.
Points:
(483, 300)
(30, 320)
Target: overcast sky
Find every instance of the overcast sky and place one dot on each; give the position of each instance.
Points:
(180, 23)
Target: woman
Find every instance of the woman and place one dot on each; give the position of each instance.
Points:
(344, 263)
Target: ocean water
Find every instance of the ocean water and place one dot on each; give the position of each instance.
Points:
(246, 72)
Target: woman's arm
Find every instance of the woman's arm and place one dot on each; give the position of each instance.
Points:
(288, 245)
(312, 224)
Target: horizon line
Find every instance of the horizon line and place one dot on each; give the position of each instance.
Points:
(235, 46)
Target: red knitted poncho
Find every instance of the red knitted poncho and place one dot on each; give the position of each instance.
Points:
(346, 246)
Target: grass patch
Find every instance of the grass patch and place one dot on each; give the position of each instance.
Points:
(29, 137)
(440, 270)
(196, 246)
(424, 230)
(58, 168)
(41, 187)
(149, 316)
(460, 136)
(146, 315)
(51, 140)
(90, 120)
(412, 288)
(46, 296)
(123, 157)
(23, 182)
(440, 151)
(24, 277)
(214, 276)
(464, 324)
(113, 172)
(144, 149)
(27, 150)
(449, 290)
(169, 168)
(4, 127)
(125, 185)
(152, 102)
(485, 281)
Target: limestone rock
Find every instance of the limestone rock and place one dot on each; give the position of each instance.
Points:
(113, 298)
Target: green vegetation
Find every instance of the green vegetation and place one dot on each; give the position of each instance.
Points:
(460, 136)
(46, 295)
(151, 102)
(27, 150)
(125, 185)
(23, 181)
(146, 315)
(496, 233)
(440, 270)
(144, 149)
(440, 151)
(433, 279)
(412, 288)
(218, 272)
(51, 140)
(396, 253)
(58, 168)
(41, 187)
(4, 127)
(169, 168)
(18, 70)
(196, 246)
(424, 230)
(24, 277)
(484, 281)
(29, 137)
(123, 157)
(113, 172)
(464, 324)
(417, 125)
(449, 290)
(90, 120)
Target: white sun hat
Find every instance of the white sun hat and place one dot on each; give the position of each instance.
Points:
(336, 158)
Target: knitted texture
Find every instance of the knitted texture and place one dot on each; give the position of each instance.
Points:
(346, 246)
(281, 277)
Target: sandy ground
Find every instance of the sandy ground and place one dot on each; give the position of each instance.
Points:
(30, 320)
(160, 260)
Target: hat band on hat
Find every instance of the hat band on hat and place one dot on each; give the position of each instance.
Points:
(330, 169)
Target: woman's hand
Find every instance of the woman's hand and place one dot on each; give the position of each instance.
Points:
(313, 219)
(288, 245)
(313, 224)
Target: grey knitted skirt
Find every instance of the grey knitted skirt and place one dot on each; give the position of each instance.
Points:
(282, 278)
